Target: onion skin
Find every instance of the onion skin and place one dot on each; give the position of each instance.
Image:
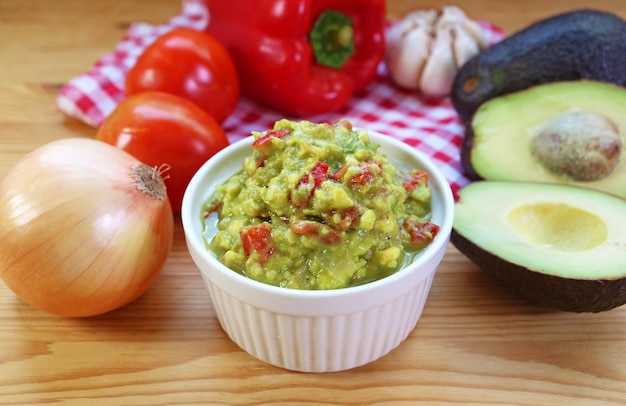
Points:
(78, 238)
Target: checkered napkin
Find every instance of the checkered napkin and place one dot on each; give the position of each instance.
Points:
(430, 125)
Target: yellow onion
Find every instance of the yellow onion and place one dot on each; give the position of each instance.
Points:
(85, 228)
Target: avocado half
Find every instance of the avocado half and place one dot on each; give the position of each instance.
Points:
(559, 246)
(579, 44)
(561, 132)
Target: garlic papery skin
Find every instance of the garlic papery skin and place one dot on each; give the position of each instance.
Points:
(425, 49)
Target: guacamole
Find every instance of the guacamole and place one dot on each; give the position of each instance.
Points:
(317, 206)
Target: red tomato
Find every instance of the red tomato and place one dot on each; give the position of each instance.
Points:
(159, 128)
(190, 64)
(257, 239)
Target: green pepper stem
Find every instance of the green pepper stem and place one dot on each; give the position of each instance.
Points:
(344, 36)
(332, 38)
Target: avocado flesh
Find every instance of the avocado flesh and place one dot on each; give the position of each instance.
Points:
(497, 143)
(556, 245)
(580, 44)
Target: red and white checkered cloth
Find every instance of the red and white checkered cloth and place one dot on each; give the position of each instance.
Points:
(430, 125)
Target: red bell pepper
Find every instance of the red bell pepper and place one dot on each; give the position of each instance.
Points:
(302, 57)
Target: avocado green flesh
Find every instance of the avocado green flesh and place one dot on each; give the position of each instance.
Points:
(499, 140)
(553, 229)
(556, 245)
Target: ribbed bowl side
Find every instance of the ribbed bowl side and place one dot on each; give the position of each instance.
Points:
(319, 344)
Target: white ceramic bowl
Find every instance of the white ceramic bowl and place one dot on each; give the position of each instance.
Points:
(321, 330)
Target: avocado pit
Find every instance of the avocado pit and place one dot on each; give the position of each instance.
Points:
(582, 145)
(562, 132)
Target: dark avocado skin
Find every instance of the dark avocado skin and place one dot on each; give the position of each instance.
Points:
(582, 44)
(466, 154)
(572, 295)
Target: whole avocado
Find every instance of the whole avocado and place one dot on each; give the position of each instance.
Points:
(581, 44)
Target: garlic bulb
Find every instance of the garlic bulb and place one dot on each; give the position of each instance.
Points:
(425, 49)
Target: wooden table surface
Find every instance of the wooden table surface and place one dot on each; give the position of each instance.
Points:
(475, 343)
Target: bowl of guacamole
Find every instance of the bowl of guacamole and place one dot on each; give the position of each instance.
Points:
(308, 233)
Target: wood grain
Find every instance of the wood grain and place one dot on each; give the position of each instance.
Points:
(476, 344)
